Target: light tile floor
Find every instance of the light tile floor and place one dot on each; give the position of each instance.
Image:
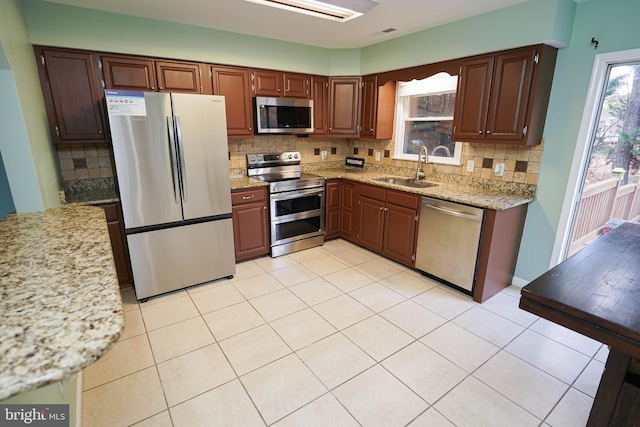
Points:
(339, 336)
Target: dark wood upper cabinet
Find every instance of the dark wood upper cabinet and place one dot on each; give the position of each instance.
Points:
(378, 108)
(296, 85)
(320, 97)
(235, 85)
(72, 95)
(503, 97)
(182, 77)
(279, 84)
(472, 95)
(344, 106)
(129, 73)
(267, 83)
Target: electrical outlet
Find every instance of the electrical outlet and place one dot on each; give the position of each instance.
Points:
(499, 169)
(377, 157)
(323, 154)
(470, 165)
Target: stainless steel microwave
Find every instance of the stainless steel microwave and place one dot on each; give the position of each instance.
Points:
(283, 115)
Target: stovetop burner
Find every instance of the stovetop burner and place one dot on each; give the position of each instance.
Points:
(282, 171)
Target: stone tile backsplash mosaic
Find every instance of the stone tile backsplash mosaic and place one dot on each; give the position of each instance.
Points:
(521, 164)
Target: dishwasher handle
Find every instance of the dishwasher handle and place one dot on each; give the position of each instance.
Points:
(454, 213)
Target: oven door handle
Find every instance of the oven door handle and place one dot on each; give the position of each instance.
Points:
(296, 194)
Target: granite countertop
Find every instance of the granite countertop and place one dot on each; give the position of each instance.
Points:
(59, 296)
(475, 192)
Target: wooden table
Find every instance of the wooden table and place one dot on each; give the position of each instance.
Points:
(596, 292)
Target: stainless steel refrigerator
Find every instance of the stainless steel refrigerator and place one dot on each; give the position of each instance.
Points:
(171, 158)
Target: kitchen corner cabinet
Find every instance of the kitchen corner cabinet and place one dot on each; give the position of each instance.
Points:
(72, 95)
(115, 224)
(344, 106)
(320, 97)
(250, 223)
(235, 85)
(378, 108)
(503, 97)
(279, 84)
(387, 222)
(332, 215)
(145, 74)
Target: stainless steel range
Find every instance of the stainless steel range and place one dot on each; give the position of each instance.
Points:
(296, 201)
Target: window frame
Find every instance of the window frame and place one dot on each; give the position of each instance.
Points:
(401, 119)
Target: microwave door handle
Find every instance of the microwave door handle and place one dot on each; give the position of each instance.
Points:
(173, 161)
(183, 169)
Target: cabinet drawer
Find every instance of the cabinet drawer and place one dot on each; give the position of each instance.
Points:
(372, 192)
(407, 200)
(249, 196)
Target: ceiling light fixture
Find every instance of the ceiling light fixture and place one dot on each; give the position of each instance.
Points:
(336, 10)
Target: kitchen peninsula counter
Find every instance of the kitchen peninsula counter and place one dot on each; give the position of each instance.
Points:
(59, 297)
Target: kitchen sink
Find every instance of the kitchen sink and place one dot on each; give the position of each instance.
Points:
(407, 182)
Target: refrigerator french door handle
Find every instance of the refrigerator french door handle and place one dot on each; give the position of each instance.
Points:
(183, 170)
(174, 163)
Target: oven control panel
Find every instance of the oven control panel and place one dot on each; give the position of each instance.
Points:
(273, 159)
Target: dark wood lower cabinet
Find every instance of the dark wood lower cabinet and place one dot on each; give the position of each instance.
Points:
(387, 222)
(333, 188)
(250, 223)
(113, 213)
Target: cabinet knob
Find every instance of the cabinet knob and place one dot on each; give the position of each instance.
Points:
(480, 132)
(265, 208)
(153, 88)
(160, 88)
(488, 131)
(100, 132)
(249, 129)
(381, 208)
(371, 130)
(278, 90)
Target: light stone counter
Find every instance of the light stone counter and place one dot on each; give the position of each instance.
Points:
(60, 306)
(482, 193)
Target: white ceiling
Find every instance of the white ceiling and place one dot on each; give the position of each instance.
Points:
(239, 16)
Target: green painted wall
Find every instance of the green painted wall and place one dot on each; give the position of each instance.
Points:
(614, 23)
(532, 22)
(29, 159)
(59, 25)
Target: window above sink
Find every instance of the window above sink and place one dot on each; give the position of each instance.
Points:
(424, 116)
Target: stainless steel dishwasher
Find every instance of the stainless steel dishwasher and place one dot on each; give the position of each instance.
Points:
(448, 241)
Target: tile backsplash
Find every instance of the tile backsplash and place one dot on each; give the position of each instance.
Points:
(521, 163)
(85, 161)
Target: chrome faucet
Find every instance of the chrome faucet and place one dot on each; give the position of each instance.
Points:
(419, 174)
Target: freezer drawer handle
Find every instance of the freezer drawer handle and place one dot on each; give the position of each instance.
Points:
(174, 164)
(454, 213)
(183, 170)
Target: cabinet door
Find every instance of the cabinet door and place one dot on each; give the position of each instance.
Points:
(369, 106)
(250, 224)
(178, 77)
(344, 106)
(119, 247)
(510, 92)
(72, 96)
(371, 223)
(399, 233)
(267, 83)
(472, 99)
(296, 85)
(320, 97)
(250, 231)
(129, 73)
(332, 204)
(234, 84)
(347, 216)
